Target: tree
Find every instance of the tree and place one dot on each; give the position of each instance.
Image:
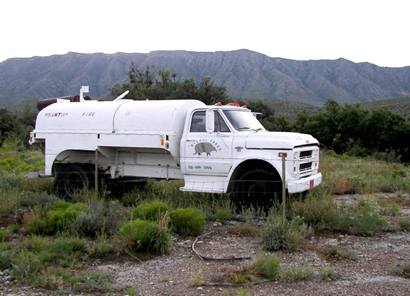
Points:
(163, 85)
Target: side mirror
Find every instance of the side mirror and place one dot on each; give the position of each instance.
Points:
(210, 120)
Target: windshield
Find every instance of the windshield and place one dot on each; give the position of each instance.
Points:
(243, 120)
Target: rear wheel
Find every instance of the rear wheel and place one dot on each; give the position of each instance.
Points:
(71, 179)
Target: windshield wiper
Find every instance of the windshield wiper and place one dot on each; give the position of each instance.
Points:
(244, 128)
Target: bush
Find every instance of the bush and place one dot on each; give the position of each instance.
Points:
(337, 253)
(101, 248)
(389, 207)
(404, 223)
(223, 214)
(296, 274)
(63, 214)
(267, 266)
(102, 217)
(5, 259)
(63, 251)
(3, 235)
(37, 225)
(25, 267)
(144, 236)
(283, 235)
(363, 218)
(152, 211)
(318, 210)
(187, 222)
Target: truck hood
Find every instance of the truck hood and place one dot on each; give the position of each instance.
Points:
(278, 140)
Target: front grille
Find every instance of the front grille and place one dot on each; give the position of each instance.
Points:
(305, 166)
(305, 154)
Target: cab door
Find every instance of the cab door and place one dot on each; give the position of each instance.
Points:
(207, 153)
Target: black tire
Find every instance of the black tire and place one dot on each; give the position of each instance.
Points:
(71, 179)
(257, 187)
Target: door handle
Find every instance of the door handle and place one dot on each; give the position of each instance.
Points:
(189, 140)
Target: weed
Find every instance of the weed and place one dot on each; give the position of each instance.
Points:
(101, 248)
(3, 235)
(25, 267)
(152, 210)
(240, 277)
(318, 209)
(37, 225)
(267, 266)
(296, 274)
(389, 207)
(338, 253)
(197, 278)
(244, 229)
(223, 214)
(404, 270)
(91, 282)
(283, 235)
(328, 275)
(131, 291)
(187, 222)
(144, 236)
(5, 259)
(404, 223)
(361, 219)
(242, 292)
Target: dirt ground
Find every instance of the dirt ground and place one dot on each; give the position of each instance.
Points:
(372, 273)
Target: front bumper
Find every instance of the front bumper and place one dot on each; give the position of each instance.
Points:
(304, 184)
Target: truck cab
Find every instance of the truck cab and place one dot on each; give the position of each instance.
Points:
(226, 149)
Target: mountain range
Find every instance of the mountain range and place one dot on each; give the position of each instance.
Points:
(244, 73)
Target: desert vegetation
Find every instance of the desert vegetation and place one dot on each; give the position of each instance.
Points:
(49, 243)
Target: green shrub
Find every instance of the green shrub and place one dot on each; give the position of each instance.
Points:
(5, 259)
(3, 235)
(144, 236)
(187, 222)
(283, 235)
(63, 251)
(318, 210)
(63, 214)
(37, 225)
(223, 214)
(267, 266)
(101, 248)
(404, 223)
(35, 243)
(363, 218)
(25, 267)
(101, 218)
(152, 210)
(297, 274)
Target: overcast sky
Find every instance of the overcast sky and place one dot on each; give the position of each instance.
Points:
(358, 30)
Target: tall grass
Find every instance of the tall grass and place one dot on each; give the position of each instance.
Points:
(347, 174)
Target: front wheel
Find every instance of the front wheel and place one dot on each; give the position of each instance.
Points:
(257, 187)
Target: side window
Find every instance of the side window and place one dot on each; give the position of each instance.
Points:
(198, 122)
(220, 125)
